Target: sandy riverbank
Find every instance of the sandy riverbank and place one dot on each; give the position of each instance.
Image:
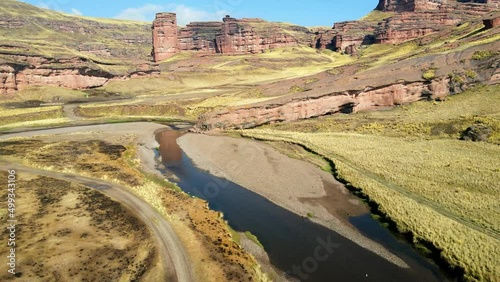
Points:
(292, 184)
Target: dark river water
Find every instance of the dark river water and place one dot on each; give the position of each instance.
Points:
(303, 249)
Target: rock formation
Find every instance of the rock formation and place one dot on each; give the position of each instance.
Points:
(236, 39)
(231, 36)
(492, 21)
(426, 5)
(345, 36)
(310, 107)
(165, 39)
(417, 18)
(74, 73)
(43, 71)
(199, 36)
(409, 19)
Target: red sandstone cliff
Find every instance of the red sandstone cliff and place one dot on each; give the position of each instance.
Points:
(20, 71)
(417, 18)
(230, 37)
(345, 36)
(410, 19)
(72, 73)
(165, 42)
(199, 36)
(237, 37)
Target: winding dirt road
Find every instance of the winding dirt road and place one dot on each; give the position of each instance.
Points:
(176, 261)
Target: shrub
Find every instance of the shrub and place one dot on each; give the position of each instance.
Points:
(296, 89)
(482, 55)
(471, 74)
(429, 74)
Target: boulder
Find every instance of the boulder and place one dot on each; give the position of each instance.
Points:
(476, 133)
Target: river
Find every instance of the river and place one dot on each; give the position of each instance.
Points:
(304, 250)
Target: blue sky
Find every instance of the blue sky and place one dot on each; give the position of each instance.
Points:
(306, 13)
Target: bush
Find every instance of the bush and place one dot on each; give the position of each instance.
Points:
(482, 55)
(471, 74)
(429, 74)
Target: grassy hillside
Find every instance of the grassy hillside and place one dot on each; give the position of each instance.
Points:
(29, 30)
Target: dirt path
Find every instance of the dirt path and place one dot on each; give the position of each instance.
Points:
(69, 112)
(172, 250)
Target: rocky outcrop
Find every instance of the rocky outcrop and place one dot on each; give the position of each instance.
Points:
(426, 5)
(407, 20)
(476, 133)
(230, 37)
(71, 73)
(492, 20)
(22, 71)
(407, 26)
(346, 36)
(236, 39)
(310, 107)
(199, 36)
(417, 18)
(165, 42)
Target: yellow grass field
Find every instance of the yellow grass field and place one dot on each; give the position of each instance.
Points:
(29, 116)
(444, 191)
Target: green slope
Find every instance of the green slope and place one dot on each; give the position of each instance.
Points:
(29, 30)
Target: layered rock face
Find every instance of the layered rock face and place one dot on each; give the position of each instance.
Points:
(39, 71)
(410, 19)
(235, 39)
(165, 39)
(426, 5)
(345, 36)
(74, 73)
(310, 107)
(417, 18)
(231, 36)
(199, 36)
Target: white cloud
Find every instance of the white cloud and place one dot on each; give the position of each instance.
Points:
(145, 13)
(76, 12)
(184, 13)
